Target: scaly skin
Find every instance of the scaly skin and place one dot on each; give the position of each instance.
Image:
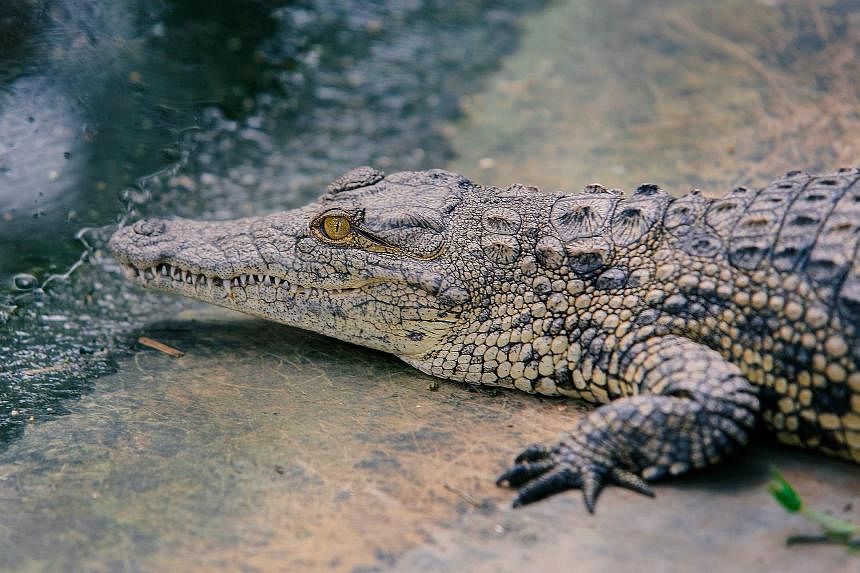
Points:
(687, 319)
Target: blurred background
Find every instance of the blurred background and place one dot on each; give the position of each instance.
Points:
(114, 110)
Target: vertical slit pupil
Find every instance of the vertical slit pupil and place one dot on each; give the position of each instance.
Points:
(336, 227)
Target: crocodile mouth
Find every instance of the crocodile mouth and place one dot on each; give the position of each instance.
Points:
(171, 277)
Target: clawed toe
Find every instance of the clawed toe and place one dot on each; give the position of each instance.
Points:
(533, 453)
(631, 481)
(540, 472)
(523, 472)
(546, 485)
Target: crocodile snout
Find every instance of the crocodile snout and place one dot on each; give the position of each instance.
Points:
(142, 243)
(149, 227)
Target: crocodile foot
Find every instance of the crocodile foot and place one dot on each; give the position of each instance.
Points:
(541, 471)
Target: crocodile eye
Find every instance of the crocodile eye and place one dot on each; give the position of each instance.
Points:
(336, 227)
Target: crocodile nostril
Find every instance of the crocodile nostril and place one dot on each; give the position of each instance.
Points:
(149, 227)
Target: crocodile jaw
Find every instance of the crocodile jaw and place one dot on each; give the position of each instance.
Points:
(292, 284)
(214, 289)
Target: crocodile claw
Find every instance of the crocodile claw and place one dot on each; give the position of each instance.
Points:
(532, 453)
(539, 472)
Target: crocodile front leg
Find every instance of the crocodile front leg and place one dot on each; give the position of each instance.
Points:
(693, 408)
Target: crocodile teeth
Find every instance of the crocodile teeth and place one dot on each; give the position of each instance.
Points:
(163, 270)
(255, 279)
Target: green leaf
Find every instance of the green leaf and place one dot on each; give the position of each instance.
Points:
(782, 491)
(834, 529)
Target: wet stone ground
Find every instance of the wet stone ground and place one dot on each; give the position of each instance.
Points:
(265, 448)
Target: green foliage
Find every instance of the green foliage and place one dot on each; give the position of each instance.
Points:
(784, 493)
(834, 530)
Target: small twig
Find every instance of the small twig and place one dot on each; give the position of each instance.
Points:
(160, 346)
(464, 496)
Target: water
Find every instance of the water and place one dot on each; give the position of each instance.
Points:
(110, 111)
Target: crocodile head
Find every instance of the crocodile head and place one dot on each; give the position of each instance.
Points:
(369, 262)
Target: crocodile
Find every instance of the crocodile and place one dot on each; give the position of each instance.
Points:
(689, 321)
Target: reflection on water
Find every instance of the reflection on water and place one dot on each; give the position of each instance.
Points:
(115, 110)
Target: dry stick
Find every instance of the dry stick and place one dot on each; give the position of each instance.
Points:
(463, 495)
(160, 346)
